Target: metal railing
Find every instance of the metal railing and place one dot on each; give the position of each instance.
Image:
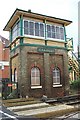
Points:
(73, 62)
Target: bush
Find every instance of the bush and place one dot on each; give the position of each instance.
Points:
(75, 84)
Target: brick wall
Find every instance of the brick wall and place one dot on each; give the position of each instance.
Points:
(4, 58)
(27, 58)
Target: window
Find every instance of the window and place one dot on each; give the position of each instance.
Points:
(61, 33)
(26, 27)
(33, 28)
(16, 30)
(49, 31)
(36, 29)
(57, 32)
(35, 76)
(41, 32)
(56, 76)
(15, 75)
(54, 31)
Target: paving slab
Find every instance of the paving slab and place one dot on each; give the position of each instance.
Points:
(44, 110)
(28, 106)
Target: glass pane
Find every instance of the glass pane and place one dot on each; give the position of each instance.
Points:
(36, 25)
(35, 76)
(31, 28)
(57, 33)
(18, 24)
(31, 25)
(57, 29)
(48, 28)
(62, 33)
(26, 31)
(56, 76)
(58, 80)
(53, 28)
(31, 31)
(41, 30)
(25, 24)
(57, 36)
(26, 27)
(53, 35)
(49, 34)
(36, 29)
(36, 32)
(15, 75)
(54, 80)
(18, 31)
(42, 33)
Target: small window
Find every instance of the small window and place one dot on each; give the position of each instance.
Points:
(62, 33)
(57, 33)
(16, 30)
(26, 27)
(36, 29)
(31, 28)
(56, 76)
(41, 30)
(15, 75)
(49, 31)
(35, 76)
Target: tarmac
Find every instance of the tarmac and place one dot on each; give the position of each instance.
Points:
(39, 108)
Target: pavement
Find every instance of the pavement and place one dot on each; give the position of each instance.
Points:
(39, 108)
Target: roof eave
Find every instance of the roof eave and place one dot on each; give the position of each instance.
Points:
(19, 12)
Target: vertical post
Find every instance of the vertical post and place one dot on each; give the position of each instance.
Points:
(47, 75)
(23, 80)
(10, 35)
(45, 33)
(21, 29)
(65, 37)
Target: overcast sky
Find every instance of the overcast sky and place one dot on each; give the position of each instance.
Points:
(65, 9)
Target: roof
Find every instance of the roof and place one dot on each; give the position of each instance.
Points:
(18, 12)
(4, 40)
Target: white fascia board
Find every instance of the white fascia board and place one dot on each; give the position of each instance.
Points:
(4, 63)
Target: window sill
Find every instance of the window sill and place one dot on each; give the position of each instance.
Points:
(34, 87)
(60, 85)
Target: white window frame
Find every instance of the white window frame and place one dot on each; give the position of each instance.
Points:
(56, 76)
(33, 36)
(17, 31)
(50, 38)
(34, 70)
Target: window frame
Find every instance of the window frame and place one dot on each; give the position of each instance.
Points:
(33, 36)
(54, 71)
(55, 32)
(38, 85)
(16, 31)
(15, 75)
(42, 33)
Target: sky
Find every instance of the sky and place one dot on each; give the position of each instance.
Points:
(64, 9)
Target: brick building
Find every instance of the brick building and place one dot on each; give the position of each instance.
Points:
(4, 59)
(4, 66)
(38, 54)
